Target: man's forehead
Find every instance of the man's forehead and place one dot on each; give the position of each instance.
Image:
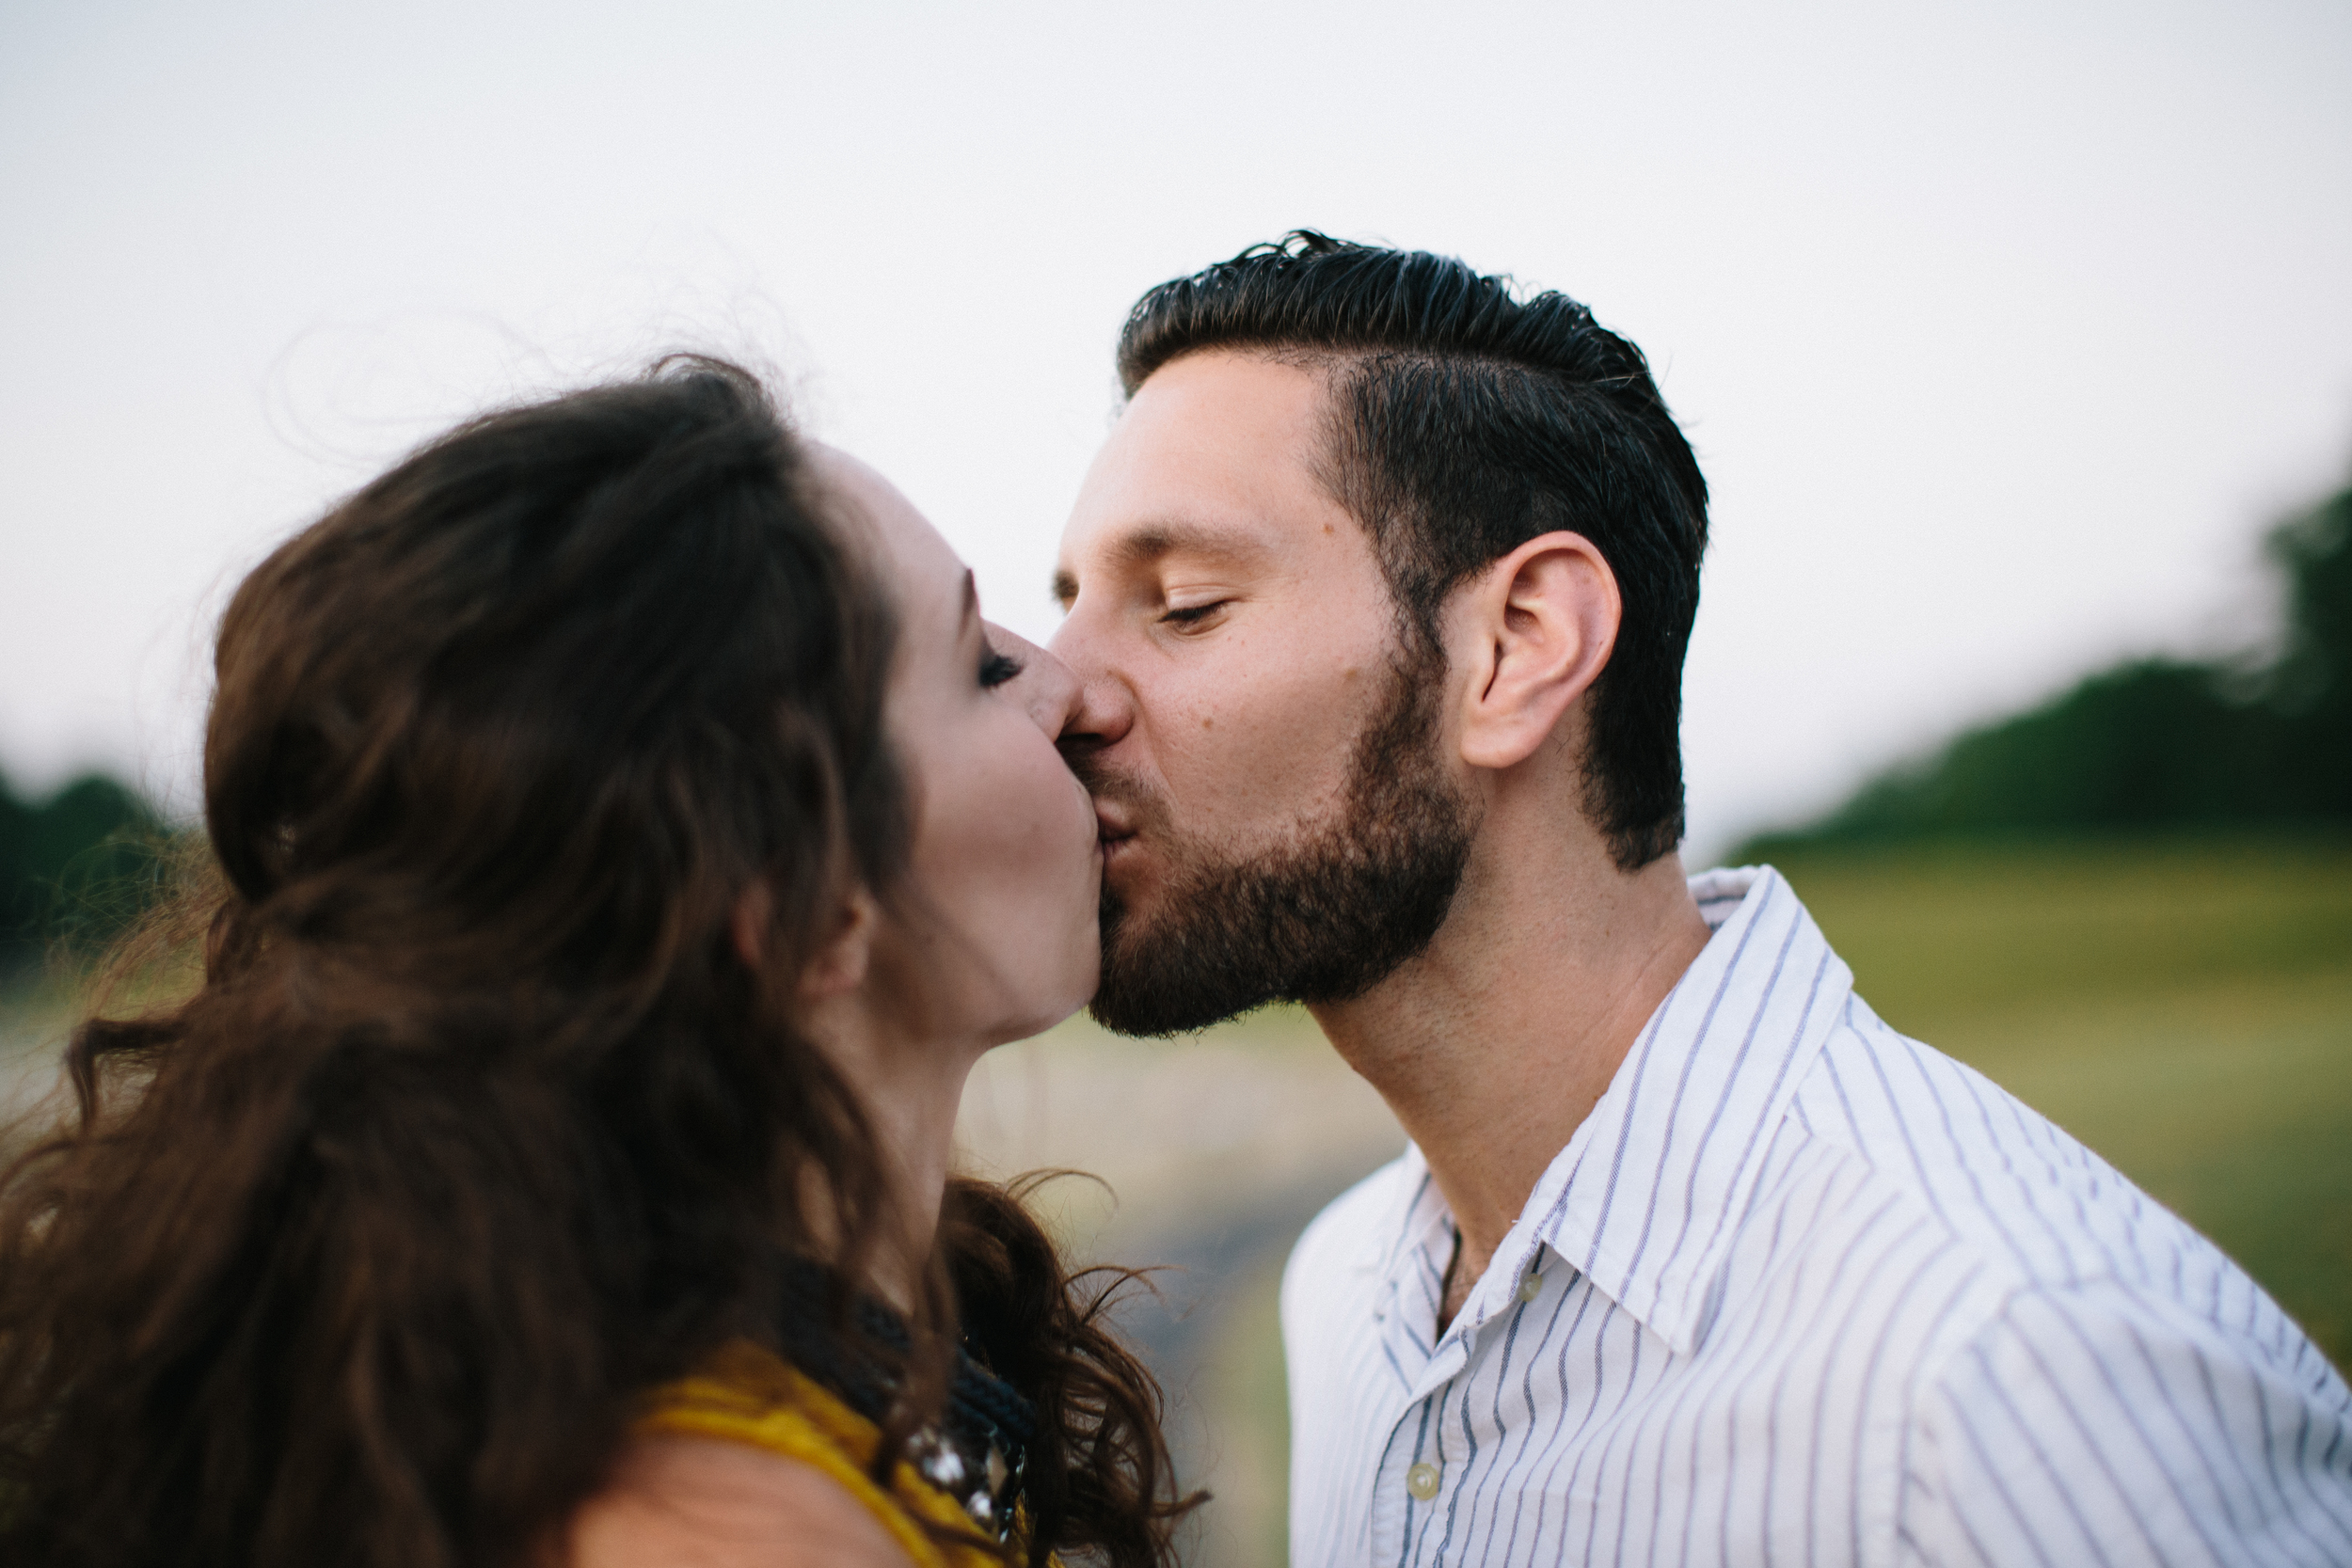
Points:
(1222, 403)
(1217, 453)
(1151, 537)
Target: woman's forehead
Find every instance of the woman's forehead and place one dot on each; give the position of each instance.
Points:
(925, 572)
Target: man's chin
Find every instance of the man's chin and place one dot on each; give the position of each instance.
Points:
(1158, 1018)
(1134, 897)
(1145, 994)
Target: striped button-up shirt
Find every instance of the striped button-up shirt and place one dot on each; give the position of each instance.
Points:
(1802, 1291)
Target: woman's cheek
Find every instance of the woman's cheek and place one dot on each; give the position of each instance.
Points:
(1059, 844)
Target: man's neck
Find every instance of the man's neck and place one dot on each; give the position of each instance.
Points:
(1494, 1045)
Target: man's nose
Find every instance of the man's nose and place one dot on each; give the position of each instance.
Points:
(1105, 706)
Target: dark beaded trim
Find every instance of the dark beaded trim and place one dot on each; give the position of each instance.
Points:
(977, 1452)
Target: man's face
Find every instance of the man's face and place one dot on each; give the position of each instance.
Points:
(1268, 764)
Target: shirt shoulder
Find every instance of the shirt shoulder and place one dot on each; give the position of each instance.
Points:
(2097, 1422)
(2035, 1210)
(2100, 1383)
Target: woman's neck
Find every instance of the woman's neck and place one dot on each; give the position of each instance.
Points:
(909, 1089)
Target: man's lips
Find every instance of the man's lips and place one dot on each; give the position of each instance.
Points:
(1114, 827)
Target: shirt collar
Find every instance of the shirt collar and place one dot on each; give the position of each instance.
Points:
(1644, 1199)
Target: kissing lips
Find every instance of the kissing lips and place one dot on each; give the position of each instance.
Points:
(1114, 831)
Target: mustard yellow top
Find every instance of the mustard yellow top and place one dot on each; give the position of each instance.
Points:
(749, 1396)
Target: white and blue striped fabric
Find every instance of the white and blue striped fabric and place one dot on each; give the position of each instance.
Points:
(1804, 1292)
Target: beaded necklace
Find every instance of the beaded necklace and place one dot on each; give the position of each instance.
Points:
(976, 1451)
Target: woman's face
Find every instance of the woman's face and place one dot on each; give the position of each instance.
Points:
(999, 936)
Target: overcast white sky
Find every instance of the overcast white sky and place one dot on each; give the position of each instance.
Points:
(2001, 328)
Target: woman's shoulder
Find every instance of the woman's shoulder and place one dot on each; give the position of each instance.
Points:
(680, 1497)
(754, 1462)
(753, 1397)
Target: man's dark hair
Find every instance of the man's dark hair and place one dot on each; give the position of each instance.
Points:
(1466, 421)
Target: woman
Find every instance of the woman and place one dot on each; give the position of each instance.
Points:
(628, 837)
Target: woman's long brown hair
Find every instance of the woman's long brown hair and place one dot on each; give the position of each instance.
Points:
(477, 1129)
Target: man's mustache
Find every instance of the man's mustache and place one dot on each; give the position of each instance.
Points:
(1104, 781)
(1135, 803)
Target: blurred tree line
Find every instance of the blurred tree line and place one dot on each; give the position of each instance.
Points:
(2153, 743)
(76, 868)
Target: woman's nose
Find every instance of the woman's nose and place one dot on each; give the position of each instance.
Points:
(1046, 687)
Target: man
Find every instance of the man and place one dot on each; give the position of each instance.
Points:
(1379, 592)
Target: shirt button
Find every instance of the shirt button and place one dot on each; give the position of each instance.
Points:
(1422, 1482)
(1530, 1285)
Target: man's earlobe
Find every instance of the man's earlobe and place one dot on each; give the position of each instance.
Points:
(1546, 618)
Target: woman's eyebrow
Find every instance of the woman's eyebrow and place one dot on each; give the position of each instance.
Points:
(971, 600)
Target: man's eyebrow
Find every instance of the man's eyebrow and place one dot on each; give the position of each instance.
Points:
(1149, 544)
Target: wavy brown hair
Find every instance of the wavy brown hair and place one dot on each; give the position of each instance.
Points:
(477, 1127)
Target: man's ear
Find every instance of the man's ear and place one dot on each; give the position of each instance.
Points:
(840, 961)
(1532, 632)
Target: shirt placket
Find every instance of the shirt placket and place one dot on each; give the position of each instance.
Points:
(1411, 1476)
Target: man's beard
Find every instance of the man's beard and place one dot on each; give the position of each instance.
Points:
(1322, 919)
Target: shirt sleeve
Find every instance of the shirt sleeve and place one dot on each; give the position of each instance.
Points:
(2093, 1426)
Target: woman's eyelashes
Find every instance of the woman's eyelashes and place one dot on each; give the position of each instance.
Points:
(995, 668)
